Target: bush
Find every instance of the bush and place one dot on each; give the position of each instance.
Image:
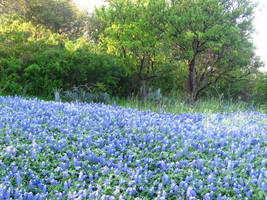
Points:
(10, 75)
(81, 95)
(259, 92)
(35, 62)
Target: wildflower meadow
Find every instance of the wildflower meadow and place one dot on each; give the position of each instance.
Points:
(54, 150)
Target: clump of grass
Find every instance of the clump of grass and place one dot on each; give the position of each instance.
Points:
(178, 106)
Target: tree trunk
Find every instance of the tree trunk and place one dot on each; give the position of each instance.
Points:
(144, 92)
(192, 82)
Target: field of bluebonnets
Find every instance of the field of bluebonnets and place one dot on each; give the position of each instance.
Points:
(55, 150)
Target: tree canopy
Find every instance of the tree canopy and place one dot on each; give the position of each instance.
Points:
(133, 33)
(61, 16)
(180, 46)
(213, 37)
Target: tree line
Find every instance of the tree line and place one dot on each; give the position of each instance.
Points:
(191, 48)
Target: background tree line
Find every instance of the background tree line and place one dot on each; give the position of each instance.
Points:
(189, 48)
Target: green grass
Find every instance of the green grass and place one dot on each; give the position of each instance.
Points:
(178, 106)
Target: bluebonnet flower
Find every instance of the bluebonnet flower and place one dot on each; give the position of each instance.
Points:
(66, 186)
(65, 174)
(260, 179)
(117, 190)
(160, 187)
(210, 178)
(164, 194)
(219, 197)
(30, 196)
(131, 191)
(122, 197)
(121, 181)
(191, 192)
(189, 178)
(152, 191)
(165, 179)
(109, 142)
(18, 178)
(44, 189)
(207, 196)
(200, 185)
(81, 176)
(183, 185)
(54, 182)
(264, 187)
(249, 193)
(43, 164)
(130, 183)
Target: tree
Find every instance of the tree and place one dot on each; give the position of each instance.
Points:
(19, 42)
(213, 37)
(94, 27)
(60, 16)
(259, 87)
(133, 32)
(11, 7)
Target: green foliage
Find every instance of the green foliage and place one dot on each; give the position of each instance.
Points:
(250, 88)
(213, 38)
(60, 68)
(36, 62)
(136, 40)
(179, 105)
(22, 44)
(172, 79)
(46, 74)
(201, 48)
(98, 71)
(10, 71)
(259, 92)
(60, 16)
(81, 95)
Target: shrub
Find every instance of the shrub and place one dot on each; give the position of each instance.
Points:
(81, 95)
